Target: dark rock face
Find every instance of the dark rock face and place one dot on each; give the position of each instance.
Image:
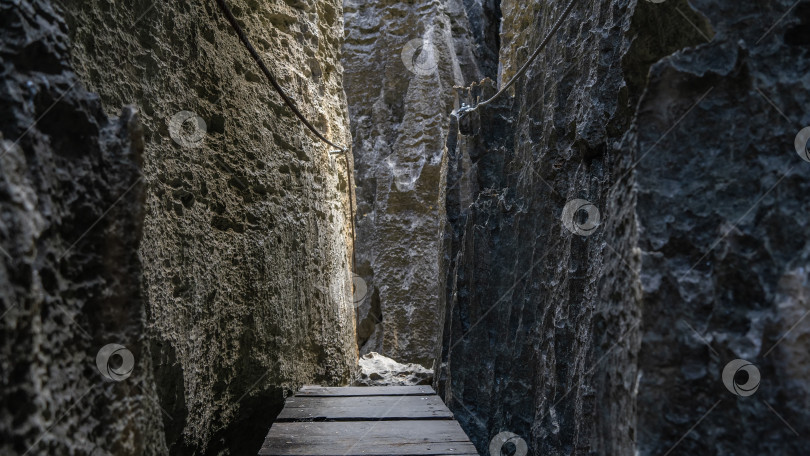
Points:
(723, 202)
(542, 327)
(71, 215)
(552, 317)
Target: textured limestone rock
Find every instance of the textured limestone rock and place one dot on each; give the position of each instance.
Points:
(402, 61)
(244, 250)
(71, 213)
(379, 370)
(542, 294)
(245, 266)
(723, 204)
(553, 320)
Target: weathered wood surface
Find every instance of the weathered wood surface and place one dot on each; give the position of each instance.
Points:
(364, 408)
(388, 421)
(352, 391)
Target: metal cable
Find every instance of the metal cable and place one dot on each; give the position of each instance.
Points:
(235, 25)
(351, 201)
(528, 63)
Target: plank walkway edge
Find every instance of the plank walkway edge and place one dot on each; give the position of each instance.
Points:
(365, 391)
(366, 421)
(357, 408)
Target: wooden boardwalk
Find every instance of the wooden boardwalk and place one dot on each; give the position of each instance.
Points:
(368, 421)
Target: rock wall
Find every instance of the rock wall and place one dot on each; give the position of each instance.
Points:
(542, 286)
(690, 169)
(245, 247)
(71, 216)
(585, 257)
(723, 203)
(402, 61)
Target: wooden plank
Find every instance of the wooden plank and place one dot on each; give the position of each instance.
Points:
(337, 408)
(354, 391)
(368, 438)
(435, 431)
(367, 421)
(370, 449)
(382, 431)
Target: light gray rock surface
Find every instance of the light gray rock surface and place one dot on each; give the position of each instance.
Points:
(379, 370)
(245, 280)
(402, 61)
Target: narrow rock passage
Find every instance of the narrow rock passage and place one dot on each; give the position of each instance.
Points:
(610, 258)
